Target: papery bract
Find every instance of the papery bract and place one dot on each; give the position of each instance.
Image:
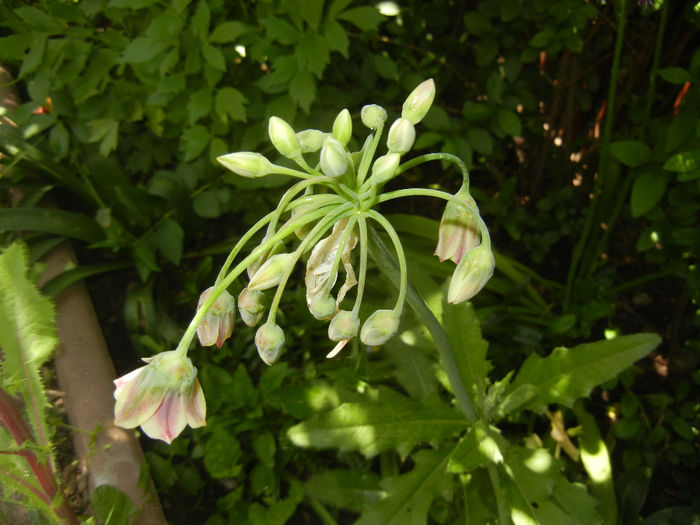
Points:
(471, 274)
(217, 325)
(162, 397)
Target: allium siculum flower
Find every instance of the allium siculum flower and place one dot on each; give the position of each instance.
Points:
(471, 274)
(162, 397)
(459, 231)
(217, 325)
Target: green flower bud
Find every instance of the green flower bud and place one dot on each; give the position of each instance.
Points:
(471, 275)
(401, 136)
(334, 161)
(384, 167)
(380, 327)
(419, 101)
(271, 272)
(217, 325)
(247, 164)
(459, 230)
(283, 138)
(253, 267)
(251, 304)
(310, 140)
(322, 306)
(269, 340)
(344, 325)
(342, 127)
(373, 116)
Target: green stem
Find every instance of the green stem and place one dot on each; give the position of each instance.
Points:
(448, 157)
(503, 517)
(367, 156)
(362, 224)
(604, 157)
(403, 271)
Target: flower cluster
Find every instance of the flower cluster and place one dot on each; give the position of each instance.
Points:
(323, 218)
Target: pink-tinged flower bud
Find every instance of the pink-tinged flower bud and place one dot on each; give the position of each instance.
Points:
(334, 161)
(385, 167)
(471, 275)
(344, 325)
(311, 140)
(419, 101)
(322, 306)
(271, 272)
(246, 164)
(217, 325)
(269, 340)
(380, 327)
(459, 230)
(162, 397)
(251, 305)
(342, 127)
(373, 116)
(283, 138)
(401, 136)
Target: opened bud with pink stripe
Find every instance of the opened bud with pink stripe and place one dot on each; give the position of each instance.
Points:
(217, 325)
(162, 397)
(459, 228)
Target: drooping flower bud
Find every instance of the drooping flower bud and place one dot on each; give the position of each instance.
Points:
(283, 138)
(269, 340)
(253, 267)
(380, 327)
(373, 116)
(246, 164)
(384, 167)
(344, 325)
(162, 397)
(401, 136)
(271, 272)
(471, 274)
(459, 230)
(342, 127)
(419, 101)
(322, 306)
(334, 161)
(217, 325)
(310, 140)
(251, 305)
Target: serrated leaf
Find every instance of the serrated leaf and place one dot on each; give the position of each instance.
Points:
(570, 373)
(336, 36)
(194, 141)
(647, 191)
(365, 18)
(312, 53)
(371, 426)
(631, 153)
(684, 161)
(302, 89)
(34, 57)
(214, 57)
(280, 30)
(230, 103)
(201, 19)
(200, 104)
(229, 32)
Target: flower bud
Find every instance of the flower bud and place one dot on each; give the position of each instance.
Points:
(401, 136)
(217, 325)
(342, 127)
(471, 275)
(251, 305)
(373, 116)
(334, 161)
(380, 327)
(459, 230)
(322, 306)
(384, 167)
(253, 267)
(344, 325)
(310, 140)
(269, 340)
(283, 138)
(246, 164)
(271, 272)
(419, 101)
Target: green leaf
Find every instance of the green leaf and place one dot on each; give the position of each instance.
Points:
(194, 141)
(214, 57)
(143, 49)
(476, 111)
(385, 67)
(35, 56)
(201, 19)
(280, 30)
(336, 36)
(570, 373)
(265, 448)
(50, 220)
(68, 278)
(365, 18)
(311, 13)
(480, 140)
(207, 204)
(674, 75)
(229, 32)
(476, 449)
(303, 90)
(510, 122)
(542, 38)
(647, 191)
(111, 505)
(200, 104)
(390, 420)
(230, 103)
(132, 4)
(312, 53)
(409, 496)
(222, 455)
(684, 161)
(169, 239)
(414, 371)
(631, 153)
(469, 349)
(345, 489)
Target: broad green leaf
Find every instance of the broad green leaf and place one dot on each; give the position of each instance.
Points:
(675, 75)
(200, 104)
(336, 36)
(476, 111)
(214, 57)
(27, 338)
(542, 38)
(647, 191)
(193, 142)
(570, 373)
(510, 122)
(284, 68)
(265, 447)
(684, 161)
(230, 103)
(385, 67)
(303, 90)
(168, 238)
(111, 505)
(414, 370)
(477, 23)
(51, 220)
(311, 13)
(468, 347)
(207, 204)
(408, 497)
(229, 32)
(143, 49)
(365, 18)
(222, 455)
(303, 402)
(200, 20)
(475, 449)
(313, 53)
(391, 420)
(480, 140)
(35, 56)
(345, 489)
(280, 30)
(631, 153)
